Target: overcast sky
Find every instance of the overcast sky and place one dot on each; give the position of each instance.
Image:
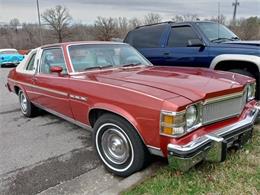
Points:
(86, 11)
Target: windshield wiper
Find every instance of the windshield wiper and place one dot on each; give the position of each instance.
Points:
(132, 64)
(98, 67)
(220, 39)
(235, 38)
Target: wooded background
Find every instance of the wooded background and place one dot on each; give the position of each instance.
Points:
(58, 26)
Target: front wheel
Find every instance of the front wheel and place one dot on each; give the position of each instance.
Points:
(118, 145)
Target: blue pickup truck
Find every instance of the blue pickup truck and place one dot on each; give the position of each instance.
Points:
(197, 44)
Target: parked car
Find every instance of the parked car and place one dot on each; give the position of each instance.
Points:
(10, 57)
(134, 108)
(197, 44)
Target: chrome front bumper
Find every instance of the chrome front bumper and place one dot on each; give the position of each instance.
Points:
(213, 146)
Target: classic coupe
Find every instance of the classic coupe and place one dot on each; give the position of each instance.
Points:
(134, 108)
(10, 57)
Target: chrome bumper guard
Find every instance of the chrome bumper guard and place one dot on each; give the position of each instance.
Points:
(213, 146)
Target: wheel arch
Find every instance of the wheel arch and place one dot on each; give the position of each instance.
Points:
(16, 89)
(96, 111)
(234, 61)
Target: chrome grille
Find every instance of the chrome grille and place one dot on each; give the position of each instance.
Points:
(222, 109)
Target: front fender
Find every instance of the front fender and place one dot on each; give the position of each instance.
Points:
(235, 57)
(119, 111)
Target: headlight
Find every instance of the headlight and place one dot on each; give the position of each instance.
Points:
(251, 88)
(191, 116)
(176, 124)
(172, 124)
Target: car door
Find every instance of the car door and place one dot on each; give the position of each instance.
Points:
(50, 89)
(179, 52)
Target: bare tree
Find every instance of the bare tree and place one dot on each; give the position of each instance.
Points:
(106, 28)
(123, 26)
(134, 22)
(152, 18)
(58, 19)
(186, 17)
(247, 29)
(220, 19)
(14, 23)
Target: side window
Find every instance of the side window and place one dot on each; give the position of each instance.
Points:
(30, 65)
(146, 37)
(180, 36)
(52, 57)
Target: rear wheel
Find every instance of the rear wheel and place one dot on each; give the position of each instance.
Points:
(246, 73)
(118, 145)
(27, 108)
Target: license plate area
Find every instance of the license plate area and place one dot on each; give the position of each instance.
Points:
(239, 140)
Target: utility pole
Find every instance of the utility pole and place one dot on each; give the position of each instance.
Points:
(218, 17)
(39, 20)
(235, 4)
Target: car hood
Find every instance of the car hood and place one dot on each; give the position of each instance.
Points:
(249, 43)
(192, 83)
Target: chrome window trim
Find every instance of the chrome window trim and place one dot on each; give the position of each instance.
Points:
(111, 43)
(39, 62)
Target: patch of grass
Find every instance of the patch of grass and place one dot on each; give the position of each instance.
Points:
(239, 174)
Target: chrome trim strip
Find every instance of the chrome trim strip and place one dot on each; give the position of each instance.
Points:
(222, 98)
(76, 97)
(44, 94)
(155, 151)
(38, 87)
(249, 120)
(84, 126)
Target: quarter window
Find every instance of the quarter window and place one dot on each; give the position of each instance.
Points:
(180, 36)
(52, 57)
(30, 65)
(146, 37)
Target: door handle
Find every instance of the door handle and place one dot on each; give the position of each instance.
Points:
(166, 53)
(34, 79)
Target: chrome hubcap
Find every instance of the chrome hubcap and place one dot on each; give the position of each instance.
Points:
(115, 146)
(23, 102)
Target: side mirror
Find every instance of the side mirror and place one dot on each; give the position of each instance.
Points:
(195, 43)
(56, 69)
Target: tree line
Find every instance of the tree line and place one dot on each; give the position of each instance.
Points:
(58, 26)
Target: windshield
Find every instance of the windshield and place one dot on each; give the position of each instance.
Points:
(89, 56)
(9, 52)
(216, 32)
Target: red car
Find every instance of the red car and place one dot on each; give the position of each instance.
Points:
(135, 109)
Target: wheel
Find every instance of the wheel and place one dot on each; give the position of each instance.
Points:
(246, 73)
(243, 72)
(118, 145)
(27, 108)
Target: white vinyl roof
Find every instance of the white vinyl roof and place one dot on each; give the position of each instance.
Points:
(7, 50)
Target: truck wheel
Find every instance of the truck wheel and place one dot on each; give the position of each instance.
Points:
(27, 108)
(244, 72)
(118, 145)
